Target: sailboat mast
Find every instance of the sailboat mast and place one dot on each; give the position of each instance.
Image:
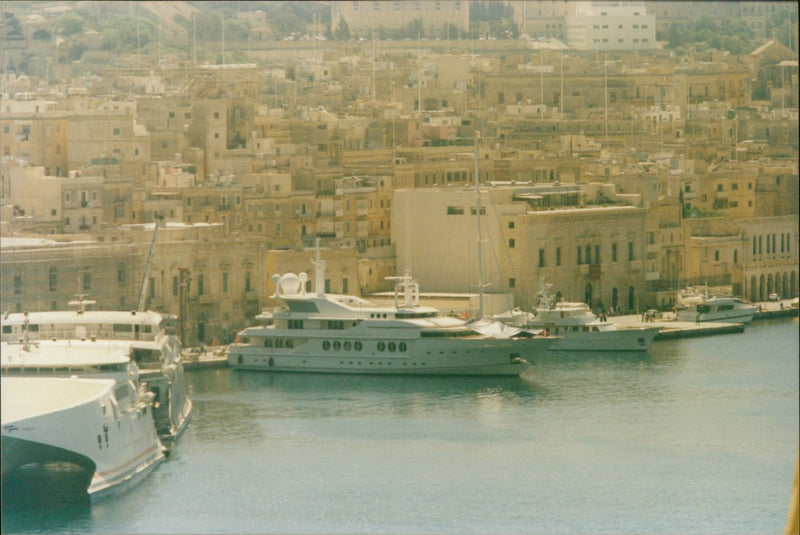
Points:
(478, 224)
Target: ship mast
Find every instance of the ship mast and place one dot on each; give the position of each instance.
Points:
(478, 224)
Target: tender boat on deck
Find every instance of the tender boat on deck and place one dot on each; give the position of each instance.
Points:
(329, 333)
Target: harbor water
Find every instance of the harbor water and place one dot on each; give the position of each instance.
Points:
(697, 435)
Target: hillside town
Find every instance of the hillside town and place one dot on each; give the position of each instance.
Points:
(581, 143)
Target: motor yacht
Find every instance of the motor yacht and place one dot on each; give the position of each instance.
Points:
(332, 333)
(695, 306)
(578, 327)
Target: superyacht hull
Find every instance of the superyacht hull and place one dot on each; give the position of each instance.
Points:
(403, 357)
(93, 431)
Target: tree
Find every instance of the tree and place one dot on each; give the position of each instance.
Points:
(68, 24)
(342, 32)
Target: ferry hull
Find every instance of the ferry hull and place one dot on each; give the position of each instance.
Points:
(62, 424)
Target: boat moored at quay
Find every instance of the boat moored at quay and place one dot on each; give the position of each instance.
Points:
(580, 329)
(94, 434)
(695, 306)
(147, 338)
(331, 333)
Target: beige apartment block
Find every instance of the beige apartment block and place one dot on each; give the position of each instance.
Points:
(37, 137)
(588, 250)
(57, 204)
(111, 141)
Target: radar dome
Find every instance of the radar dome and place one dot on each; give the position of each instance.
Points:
(289, 284)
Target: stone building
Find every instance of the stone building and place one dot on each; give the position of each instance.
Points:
(589, 249)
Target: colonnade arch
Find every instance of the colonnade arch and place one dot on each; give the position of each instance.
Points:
(783, 283)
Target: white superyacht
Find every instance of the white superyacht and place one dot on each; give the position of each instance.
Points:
(96, 431)
(148, 336)
(330, 333)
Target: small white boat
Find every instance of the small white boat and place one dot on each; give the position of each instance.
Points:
(98, 432)
(147, 338)
(699, 307)
(330, 333)
(579, 328)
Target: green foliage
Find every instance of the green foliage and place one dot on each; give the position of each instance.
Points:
(342, 32)
(489, 11)
(729, 35)
(126, 34)
(68, 24)
(12, 27)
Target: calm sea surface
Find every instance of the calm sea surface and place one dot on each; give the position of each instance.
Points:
(695, 436)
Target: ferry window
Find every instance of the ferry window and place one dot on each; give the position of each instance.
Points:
(358, 346)
(402, 347)
(326, 345)
(381, 346)
(337, 345)
(392, 346)
(347, 346)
